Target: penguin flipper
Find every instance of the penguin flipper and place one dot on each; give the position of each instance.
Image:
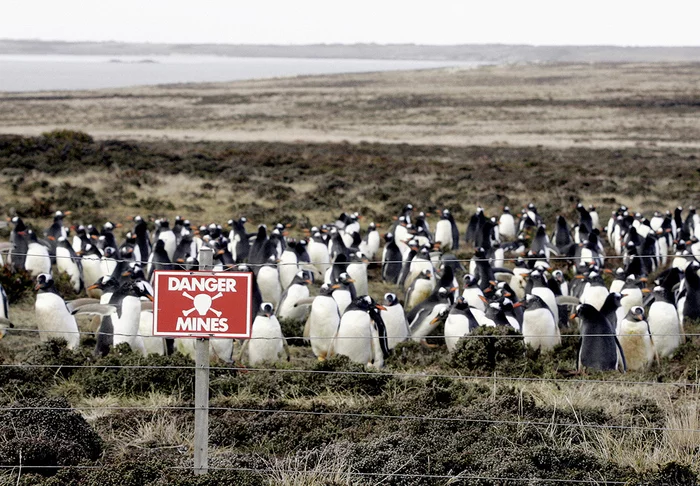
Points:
(567, 300)
(622, 355)
(307, 301)
(77, 303)
(96, 309)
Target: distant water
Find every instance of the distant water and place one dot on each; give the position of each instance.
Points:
(63, 72)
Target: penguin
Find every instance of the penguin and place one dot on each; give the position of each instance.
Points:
(297, 291)
(167, 236)
(121, 318)
(472, 293)
(508, 307)
(288, 265)
(266, 343)
(612, 310)
(126, 250)
(318, 252)
(424, 318)
(142, 249)
(459, 323)
(664, 323)
(269, 282)
(108, 240)
(691, 305)
(240, 240)
(618, 280)
(540, 330)
(444, 231)
(357, 269)
(69, 262)
(420, 289)
(635, 340)
(52, 315)
(222, 255)
(600, 349)
(632, 295)
(38, 260)
(594, 292)
(56, 231)
(391, 260)
(4, 307)
(562, 236)
(394, 318)
(158, 260)
(19, 239)
(361, 334)
(91, 260)
(185, 248)
(109, 263)
(344, 292)
(322, 323)
(542, 290)
(506, 225)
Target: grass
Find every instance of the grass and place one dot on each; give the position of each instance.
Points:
(347, 427)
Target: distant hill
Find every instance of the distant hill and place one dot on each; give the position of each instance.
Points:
(470, 52)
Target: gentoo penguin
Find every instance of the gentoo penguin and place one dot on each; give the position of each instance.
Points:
(618, 280)
(361, 334)
(506, 225)
(445, 232)
(240, 240)
(422, 318)
(108, 240)
(612, 310)
(542, 290)
(322, 323)
(142, 249)
(594, 292)
(266, 343)
(472, 292)
(600, 349)
(357, 269)
(664, 324)
(269, 282)
(459, 323)
(595, 218)
(52, 316)
(19, 241)
(370, 242)
(91, 260)
(288, 264)
(318, 252)
(691, 306)
(4, 306)
(109, 262)
(394, 319)
(158, 260)
(540, 330)
(635, 340)
(121, 318)
(167, 236)
(298, 290)
(420, 289)
(68, 261)
(344, 292)
(392, 260)
(632, 295)
(562, 236)
(38, 260)
(56, 231)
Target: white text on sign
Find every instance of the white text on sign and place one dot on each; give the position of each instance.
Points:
(212, 284)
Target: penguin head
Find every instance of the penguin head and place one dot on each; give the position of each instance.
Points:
(390, 299)
(372, 226)
(138, 219)
(344, 278)
(469, 280)
(440, 317)
(636, 313)
(506, 209)
(44, 282)
(426, 274)
(110, 252)
(266, 309)
(143, 289)
(558, 276)
(389, 237)
(325, 290)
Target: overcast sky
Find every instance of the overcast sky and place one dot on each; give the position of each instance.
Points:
(539, 22)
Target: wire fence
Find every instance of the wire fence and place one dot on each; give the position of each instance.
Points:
(477, 422)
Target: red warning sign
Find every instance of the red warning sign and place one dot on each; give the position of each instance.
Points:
(202, 304)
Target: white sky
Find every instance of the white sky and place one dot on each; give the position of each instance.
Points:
(539, 22)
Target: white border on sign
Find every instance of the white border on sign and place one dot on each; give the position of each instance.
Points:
(183, 273)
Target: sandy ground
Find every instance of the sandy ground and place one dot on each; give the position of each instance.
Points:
(584, 105)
